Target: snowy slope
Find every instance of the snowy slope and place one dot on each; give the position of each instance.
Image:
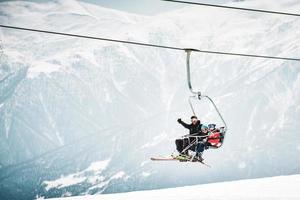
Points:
(281, 187)
(67, 103)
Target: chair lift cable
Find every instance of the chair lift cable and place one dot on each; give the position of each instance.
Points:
(235, 8)
(149, 45)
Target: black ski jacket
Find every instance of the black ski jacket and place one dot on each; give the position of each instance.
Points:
(193, 128)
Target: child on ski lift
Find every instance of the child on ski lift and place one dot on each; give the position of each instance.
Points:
(201, 144)
(214, 137)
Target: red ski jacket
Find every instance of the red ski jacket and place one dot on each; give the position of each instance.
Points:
(214, 138)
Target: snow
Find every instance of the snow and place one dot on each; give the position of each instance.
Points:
(146, 174)
(272, 188)
(72, 6)
(118, 175)
(144, 163)
(98, 167)
(79, 177)
(242, 165)
(103, 184)
(63, 182)
(156, 140)
(42, 67)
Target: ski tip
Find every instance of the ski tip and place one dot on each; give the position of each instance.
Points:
(154, 159)
(205, 164)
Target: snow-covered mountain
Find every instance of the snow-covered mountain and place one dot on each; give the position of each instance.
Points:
(92, 113)
(281, 187)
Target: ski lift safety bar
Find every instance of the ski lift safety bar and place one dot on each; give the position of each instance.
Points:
(198, 95)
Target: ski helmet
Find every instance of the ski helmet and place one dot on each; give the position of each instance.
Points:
(203, 127)
(211, 126)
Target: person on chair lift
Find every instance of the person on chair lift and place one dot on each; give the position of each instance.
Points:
(188, 142)
(201, 145)
(213, 140)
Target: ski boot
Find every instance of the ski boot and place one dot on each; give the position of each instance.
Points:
(197, 158)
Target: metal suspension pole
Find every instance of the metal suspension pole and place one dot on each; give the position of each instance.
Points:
(191, 105)
(188, 72)
(216, 108)
(188, 68)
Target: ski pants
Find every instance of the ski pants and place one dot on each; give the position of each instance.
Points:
(200, 147)
(181, 144)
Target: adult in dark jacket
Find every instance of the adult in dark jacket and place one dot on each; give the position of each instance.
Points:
(194, 129)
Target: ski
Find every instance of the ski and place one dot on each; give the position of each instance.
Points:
(163, 159)
(203, 163)
(177, 158)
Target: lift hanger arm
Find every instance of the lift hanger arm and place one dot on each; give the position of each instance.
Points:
(199, 95)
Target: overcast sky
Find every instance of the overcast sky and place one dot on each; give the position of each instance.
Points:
(145, 7)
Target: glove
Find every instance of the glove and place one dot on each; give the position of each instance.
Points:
(179, 120)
